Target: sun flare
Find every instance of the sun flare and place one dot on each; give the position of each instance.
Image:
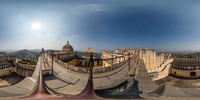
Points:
(36, 26)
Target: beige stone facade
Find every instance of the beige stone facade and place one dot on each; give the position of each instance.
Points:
(185, 68)
(7, 64)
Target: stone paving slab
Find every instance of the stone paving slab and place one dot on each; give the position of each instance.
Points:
(175, 92)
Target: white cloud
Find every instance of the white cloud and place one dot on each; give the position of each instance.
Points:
(73, 36)
(92, 7)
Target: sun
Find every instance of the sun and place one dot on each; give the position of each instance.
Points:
(36, 26)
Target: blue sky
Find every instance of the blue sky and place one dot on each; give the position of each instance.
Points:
(100, 24)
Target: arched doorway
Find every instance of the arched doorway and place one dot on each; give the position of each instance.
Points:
(175, 72)
(192, 74)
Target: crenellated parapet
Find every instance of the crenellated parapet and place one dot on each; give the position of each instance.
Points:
(186, 63)
(186, 67)
(188, 60)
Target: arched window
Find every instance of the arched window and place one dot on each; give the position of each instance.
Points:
(85, 63)
(192, 74)
(175, 72)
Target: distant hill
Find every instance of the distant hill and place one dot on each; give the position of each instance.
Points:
(34, 50)
(191, 55)
(3, 54)
(198, 53)
(26, 54)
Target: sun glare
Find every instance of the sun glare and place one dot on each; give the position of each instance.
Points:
(35, 25)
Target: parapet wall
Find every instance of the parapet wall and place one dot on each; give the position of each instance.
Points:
(64, 55)
(185, 68)
(189, 60)
(7, 71)
(24, 69)
(163, 70)
(86, 70)
(184, 73)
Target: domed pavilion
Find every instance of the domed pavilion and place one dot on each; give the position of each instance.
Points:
(67, 48)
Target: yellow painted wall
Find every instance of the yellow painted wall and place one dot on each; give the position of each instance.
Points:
(73, 62)
(184, 73)
(106, 64)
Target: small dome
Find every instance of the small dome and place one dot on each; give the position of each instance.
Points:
(89, 50)
(67, 47)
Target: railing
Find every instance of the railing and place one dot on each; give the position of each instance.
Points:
(123, 67)
(96, 70)
(88, 92)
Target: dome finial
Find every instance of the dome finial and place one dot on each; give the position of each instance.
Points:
(67, 41)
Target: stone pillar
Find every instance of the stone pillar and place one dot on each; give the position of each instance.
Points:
(68, 57)
(129, 59)
(52, 62)
(112, 62)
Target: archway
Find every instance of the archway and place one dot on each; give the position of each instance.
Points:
(192, 74)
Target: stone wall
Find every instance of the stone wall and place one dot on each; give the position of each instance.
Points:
(7, 65)
(184, 73)
(189, 60)
(152, 59)
(7, 58)
(24, 88)
(185, 68)
(161, 67)
(64, 55)
(164, 72)
(7, 71)
(157, 64)
(25, 69)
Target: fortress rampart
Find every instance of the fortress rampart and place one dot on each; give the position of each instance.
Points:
(185, 68)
